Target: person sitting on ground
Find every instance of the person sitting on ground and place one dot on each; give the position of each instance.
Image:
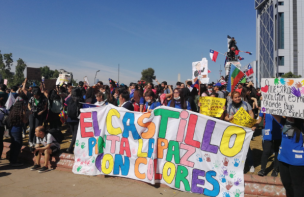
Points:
(46, 145)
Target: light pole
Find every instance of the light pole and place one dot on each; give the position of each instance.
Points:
(95, 76)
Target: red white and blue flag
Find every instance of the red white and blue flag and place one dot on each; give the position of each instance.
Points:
(249, 70)
(213, 55)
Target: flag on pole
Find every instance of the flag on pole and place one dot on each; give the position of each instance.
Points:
(249, 70)
(241, 58)
(235, 76)
(248, 53)
(213, 55)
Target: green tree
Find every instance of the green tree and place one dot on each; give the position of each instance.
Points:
(56, 73)
(6, 62)
(19, 76)
(46, 72)
(290, 75)
(74, 82)
(148, 75)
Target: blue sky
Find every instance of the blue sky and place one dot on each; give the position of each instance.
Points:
(85, 36)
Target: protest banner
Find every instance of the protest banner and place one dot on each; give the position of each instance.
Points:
(200, 70)
(63, 78)
(211, 106)
(33, 73)
(50, 84)
(182, 149)
(283, 96)
(242, 118)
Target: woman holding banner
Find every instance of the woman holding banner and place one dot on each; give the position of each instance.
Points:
(291, 156)
(232, 108)
(178, 101)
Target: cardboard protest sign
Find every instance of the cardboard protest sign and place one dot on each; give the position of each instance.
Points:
(63, 78)
(200, 70)
(33, 73)
(182, 149)
(50, 84)
(242, 118)
(211, 106)
(283, 96)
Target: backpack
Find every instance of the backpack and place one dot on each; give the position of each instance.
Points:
(4, 117)
(73, 109)
(57, 134)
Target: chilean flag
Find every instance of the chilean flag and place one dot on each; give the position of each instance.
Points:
(213, 55)
(249, 71)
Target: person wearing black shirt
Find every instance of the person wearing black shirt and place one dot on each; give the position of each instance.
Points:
(124, 97)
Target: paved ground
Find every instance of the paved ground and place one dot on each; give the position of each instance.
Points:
(19, 182)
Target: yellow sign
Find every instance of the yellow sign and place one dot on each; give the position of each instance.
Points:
(242, 118)
(211, 106)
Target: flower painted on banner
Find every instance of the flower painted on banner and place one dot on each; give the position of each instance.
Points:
(232, 174)
(226, 194)
(82, 145)
(199, 158)
(78, 160)
(93, 160)
(263, 109)
(77, 142)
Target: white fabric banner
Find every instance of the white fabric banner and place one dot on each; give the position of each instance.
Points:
(182, 149)
(283, 96)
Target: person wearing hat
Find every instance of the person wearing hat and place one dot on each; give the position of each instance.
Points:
(217, 89)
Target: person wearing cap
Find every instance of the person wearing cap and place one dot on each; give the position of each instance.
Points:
(217, 89)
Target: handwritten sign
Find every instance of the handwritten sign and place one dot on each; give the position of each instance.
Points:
(211, 106)
(182, 149)
(63, 78)
(33, 73)
(283, 96)
(242, 118)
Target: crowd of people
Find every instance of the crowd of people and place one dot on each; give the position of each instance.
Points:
(38, 109)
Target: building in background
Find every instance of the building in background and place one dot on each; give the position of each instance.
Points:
(280, 37)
